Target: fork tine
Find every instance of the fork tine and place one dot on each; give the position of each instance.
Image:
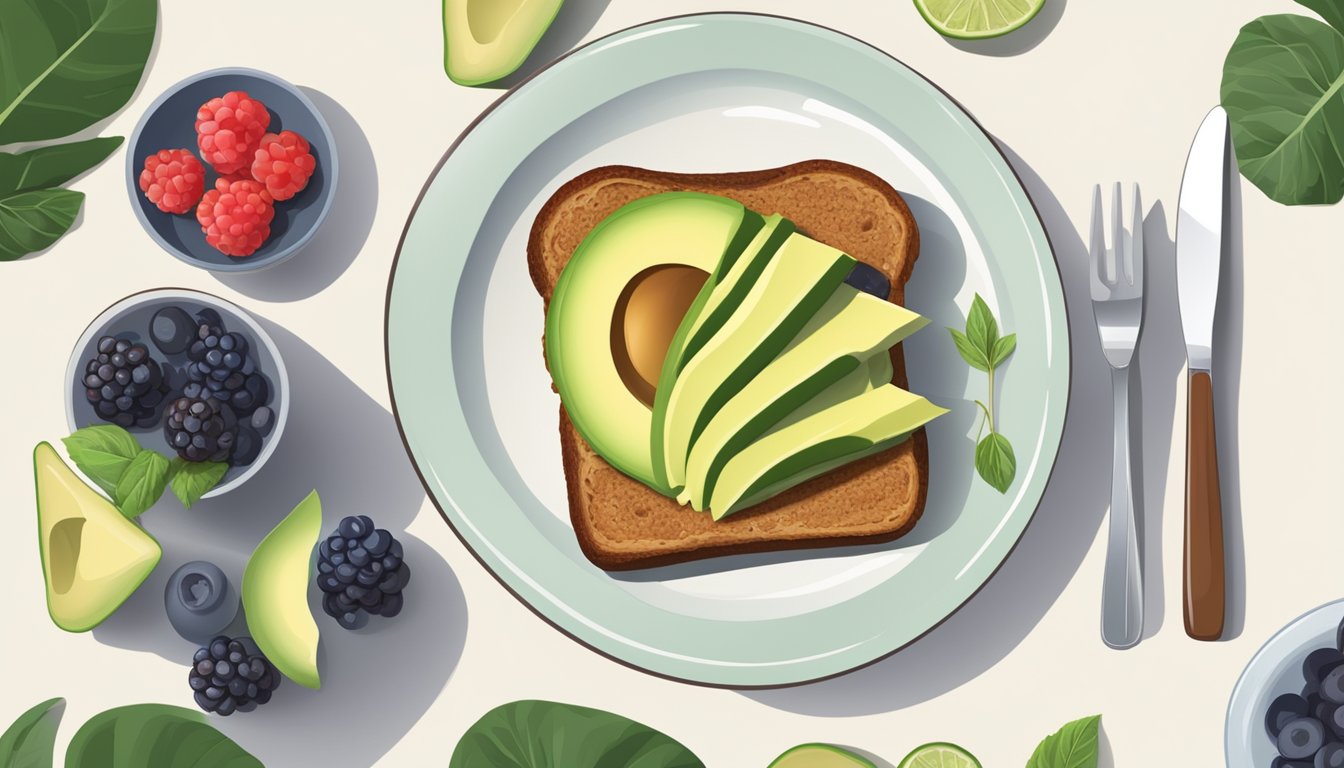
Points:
(1116, 253)
(1134, 254)
(1098, 245)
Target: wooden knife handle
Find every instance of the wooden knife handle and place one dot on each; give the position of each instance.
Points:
(1204, 568)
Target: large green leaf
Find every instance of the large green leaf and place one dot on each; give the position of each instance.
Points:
(1076, 745)
(66, 64)
(52, 165)
(1330, 10)
(152, 735)
(32, 221)
(545, 734)
(31, 741)
(1282, 82)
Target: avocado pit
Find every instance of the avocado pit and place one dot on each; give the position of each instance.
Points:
(645, 319)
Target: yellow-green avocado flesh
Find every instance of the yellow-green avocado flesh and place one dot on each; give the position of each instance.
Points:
(819, 756)
(485, 40)
(704, 232)
(275, 593)
(93, 557)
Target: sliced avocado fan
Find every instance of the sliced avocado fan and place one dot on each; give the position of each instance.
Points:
(93, 557)
(485, 40)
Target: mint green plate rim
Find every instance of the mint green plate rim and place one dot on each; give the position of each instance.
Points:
(574, 596)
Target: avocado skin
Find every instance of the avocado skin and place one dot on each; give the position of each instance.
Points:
(470, 62)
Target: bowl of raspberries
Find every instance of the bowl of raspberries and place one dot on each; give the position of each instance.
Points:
(232, 170)
(188, 374)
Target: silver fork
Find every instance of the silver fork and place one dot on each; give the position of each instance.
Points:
(1117, 303)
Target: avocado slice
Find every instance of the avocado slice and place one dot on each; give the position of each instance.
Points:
(846, 332)
(820, 756)
(792, 287)
(817, 442)
(595, 299)
(93, 557)
(275, 593)
(485, 40)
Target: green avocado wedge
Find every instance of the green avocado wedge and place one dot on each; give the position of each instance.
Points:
(820, 756)
(485, 40)
(725, 289)
(275, 593)
(850, 329)
(583, 328)
(93, 556)
(824, 439)
(792, 287)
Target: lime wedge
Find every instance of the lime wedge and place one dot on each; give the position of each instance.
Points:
(939, 755)
(976, 19)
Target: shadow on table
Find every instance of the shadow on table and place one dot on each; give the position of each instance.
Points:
(1065, 525)
(334, 248)
(575, 19)
(1019, 40)
(381, 678)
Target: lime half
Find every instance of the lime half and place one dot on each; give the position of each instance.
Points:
(939, 755)
(976, 19)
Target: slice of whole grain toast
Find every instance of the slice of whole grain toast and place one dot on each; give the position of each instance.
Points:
(621, 524)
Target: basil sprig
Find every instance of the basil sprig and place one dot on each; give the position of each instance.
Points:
(981, 346)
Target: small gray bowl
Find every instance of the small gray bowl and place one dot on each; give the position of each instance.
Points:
(170, 123)
(130, 318)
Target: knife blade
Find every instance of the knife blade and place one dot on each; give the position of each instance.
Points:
(1200, 229)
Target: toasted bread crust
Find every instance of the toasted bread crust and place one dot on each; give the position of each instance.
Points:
(622, 524)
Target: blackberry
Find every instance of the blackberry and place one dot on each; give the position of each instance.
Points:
(200, 429)
(230, 675)
(124, 383)
(222, 369)
(361, 571)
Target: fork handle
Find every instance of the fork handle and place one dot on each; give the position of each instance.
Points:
(1204, 568)
(1122, 582)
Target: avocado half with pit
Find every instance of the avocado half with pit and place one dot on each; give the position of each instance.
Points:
(485, 40)
(93, 557)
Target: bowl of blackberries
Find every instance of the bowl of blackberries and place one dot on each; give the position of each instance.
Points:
(188, 374)
(1287, 710)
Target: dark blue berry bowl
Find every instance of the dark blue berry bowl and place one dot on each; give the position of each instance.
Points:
(261, 372)
(170, 123)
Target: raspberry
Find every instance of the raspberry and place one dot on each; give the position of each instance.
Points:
(229, 129)
(173, 180)
(236, 216)
(284, 164)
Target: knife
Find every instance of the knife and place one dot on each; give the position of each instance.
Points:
(1199, 254)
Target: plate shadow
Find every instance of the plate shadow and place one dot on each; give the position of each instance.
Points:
(1065, 525)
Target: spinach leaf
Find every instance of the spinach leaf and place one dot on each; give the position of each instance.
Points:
(1073, 746)
(31, 741)
(142, 483)
(33, 221)
(144, 735)
(53, 165)
(1283, 90)
(103, 453)
(69, 63)
(545, 734)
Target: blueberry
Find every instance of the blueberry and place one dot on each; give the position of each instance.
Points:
(1332, 685)
(1300, 738)
(869, 280)
(1330, 756)
(262, 419)
(1283, 709)
(246, 446)
(172, 330)
(201, 604)
(1321, 661)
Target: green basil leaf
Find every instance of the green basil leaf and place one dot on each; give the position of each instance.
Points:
(1283, 90)
(545, 734)
(995, 462)
(147, 735)
(102, 453)
(981, 327)
(1330, 10)
(32, 221)
(1073, 746)
(53, 165)
(142, 484)
(31, 741)
(1002, 349)
(193, 479)
(69, 63)
(973, 355)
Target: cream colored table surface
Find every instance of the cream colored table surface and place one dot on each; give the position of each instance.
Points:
(1110, 91)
